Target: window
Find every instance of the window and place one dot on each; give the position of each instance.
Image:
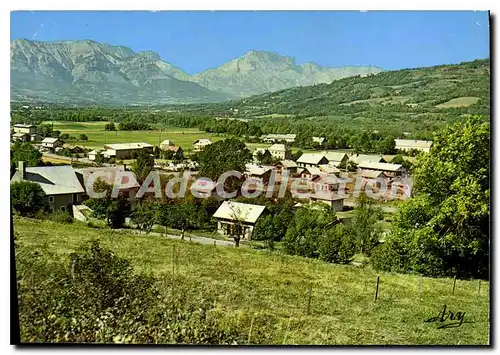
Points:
(51, 199)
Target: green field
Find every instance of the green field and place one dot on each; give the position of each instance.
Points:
(268, 292)
(97, 136)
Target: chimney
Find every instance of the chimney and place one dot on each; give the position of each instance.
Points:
(22, 169)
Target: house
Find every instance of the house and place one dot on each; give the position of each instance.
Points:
(93, 154)
(409, 144)
(204, 188)
(329, 169)
(127, 150)
(280, 151)
(200, 144)
(390, 170)
(373, 177)
(165, 144)
(271, 138)
(331, 198)
(311, 159)
(285, 164)
(23, 137)
(109, 174)
(29, 129)
(60, 184)
(262, 173)
(232, 216)
(319, 140)
(311, 173)
(261, 154)
(336, 158)
(51, 143)
(370, 158)
(177, 150)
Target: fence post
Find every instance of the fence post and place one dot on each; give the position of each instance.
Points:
(173, 259)
(454, 283)
(376, 289)
(309, 300)
(250, 330)
(479, 289)
(420, 285)
(215, 243)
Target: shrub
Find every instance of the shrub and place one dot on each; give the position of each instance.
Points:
(337, 245)
(98, 297)
(28, 198)
(61, 217)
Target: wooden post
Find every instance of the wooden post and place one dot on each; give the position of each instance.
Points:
(309, 300)
(215, 243)
(420, 285)
(286, 331)
(173, 259)
(479, 289)
(250, 331)
(376, 289)
(454, 283)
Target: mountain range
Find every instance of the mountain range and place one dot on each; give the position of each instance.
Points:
(95, 73)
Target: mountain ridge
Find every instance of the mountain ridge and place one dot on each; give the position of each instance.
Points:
(99, 72)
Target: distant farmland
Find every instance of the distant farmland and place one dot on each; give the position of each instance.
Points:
(97, 136)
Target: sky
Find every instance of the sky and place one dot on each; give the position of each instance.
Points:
(199, 40)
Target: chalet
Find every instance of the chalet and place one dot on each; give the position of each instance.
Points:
(23, 137)
(311, 173)
(165, 144)
(29, 129)
(331, 198)
(200, 144)
(358, 158)
(262, 173)
(336, 158)
(126, 150)
(329, 169)
(280, 151)
(319, 140)
(311, 159)
(109, 174)
(60, 184)
(390, 170)
(51, 143)
(271, 138)
(289, 165)
(409, 144)
(231, 216)
(373, 177)
(177, 150)
(260, 154)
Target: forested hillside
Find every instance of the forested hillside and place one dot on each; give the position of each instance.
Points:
(415, 97)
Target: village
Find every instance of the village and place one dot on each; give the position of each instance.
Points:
(328, 177)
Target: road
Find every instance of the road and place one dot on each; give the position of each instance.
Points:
(196, 239)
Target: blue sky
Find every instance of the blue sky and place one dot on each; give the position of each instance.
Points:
(196, 41)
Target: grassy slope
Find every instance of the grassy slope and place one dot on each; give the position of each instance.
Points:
(249, 282)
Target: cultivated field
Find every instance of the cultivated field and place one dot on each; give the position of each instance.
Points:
(97, 136)
(268, 293)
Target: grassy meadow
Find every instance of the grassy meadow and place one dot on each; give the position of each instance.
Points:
(268, 293)
(97, 136)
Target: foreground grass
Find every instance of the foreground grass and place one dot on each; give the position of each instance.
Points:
(268, 293)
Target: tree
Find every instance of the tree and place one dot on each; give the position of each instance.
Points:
(109, 127)
(26, 153)
(184, 216)
(364, 226)
(337, 245)
(223, 156)
(237, 228)
(398, 159)
(28, 198)
(146, 214)
(307, 228)
(387, 145)
(83, 137)
(143, 165)
(444, 230)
